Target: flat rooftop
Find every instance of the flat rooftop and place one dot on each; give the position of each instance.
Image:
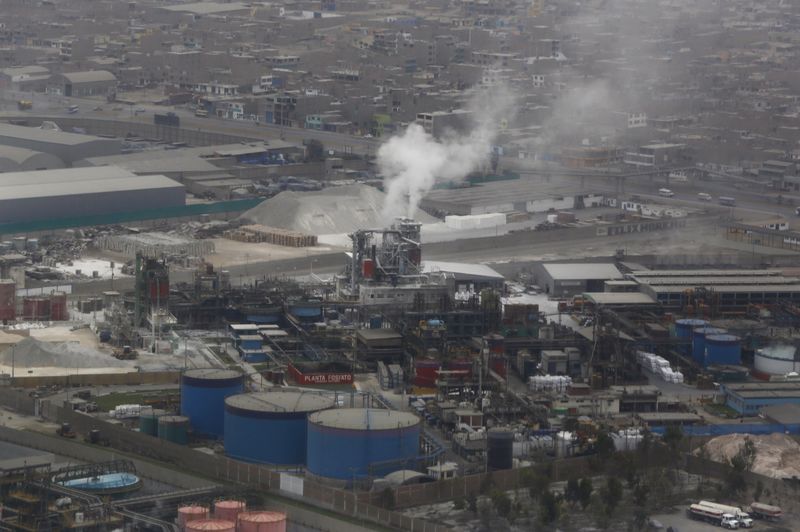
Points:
(47, 135)
(14, 456)
(582, 271)
(37, 190)
(619, 298)
(511, 191)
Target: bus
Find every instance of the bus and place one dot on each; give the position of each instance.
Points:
(665, 192)
(72, 109)
(202, 113)
(727, 201)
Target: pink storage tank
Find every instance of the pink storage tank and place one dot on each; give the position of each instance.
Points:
(229, 510)
(218, 525)
(8, 299)
(262, 522)
(187, 514)
(58, 306)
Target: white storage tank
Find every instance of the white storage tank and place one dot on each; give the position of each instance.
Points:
(776, 360)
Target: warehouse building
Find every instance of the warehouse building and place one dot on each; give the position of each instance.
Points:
(81, 192)
(69, 147)
(748, 398)
(569, 279)
(725, 289)
(14, 159)
(83, 84)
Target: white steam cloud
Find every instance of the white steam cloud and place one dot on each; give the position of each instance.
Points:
(414, 161)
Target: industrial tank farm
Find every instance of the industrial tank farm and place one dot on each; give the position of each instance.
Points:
(270, 427)
(776, 360)
(352, 443)
(203, 393)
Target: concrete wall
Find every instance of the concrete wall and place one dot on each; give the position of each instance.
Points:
(89, 379)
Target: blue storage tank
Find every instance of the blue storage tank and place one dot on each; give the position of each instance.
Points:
(684, 327)
(203, 393)
(353, 443)
(699, 336)
(271, 427)
(723, 349)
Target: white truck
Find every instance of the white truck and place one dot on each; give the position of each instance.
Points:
(713, 516)
(766, 511)
(744, 519)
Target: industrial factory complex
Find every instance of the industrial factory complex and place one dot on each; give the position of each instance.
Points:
(356, 265)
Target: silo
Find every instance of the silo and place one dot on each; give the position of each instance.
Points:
(723, 349)
(187, 514)
(351, 443)
(499, 449)
(8, 299)
(271, 427)
(218, 525)
(776, 360)
(262, 522)
(203, 393)
(228, 509)
(174, 429)
(148, 422)
(699, 335)
(684, 329)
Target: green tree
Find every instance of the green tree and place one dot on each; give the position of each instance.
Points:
(758, 491)
(742, 462)
(572, 491)
(604, 445)
(459, 504)
(386, 499)
(548, 507)
(537, 485)
(585, 490)
(612, 494)
(673, 437)
(640, 493)
(315, 151)
(502, 503)
(472, 503)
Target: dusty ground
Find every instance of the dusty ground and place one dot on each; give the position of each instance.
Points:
(231, 252)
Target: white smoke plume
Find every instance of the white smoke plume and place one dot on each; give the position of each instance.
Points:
(414, 161)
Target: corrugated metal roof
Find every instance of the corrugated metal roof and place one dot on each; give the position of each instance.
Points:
(72, 188)
(281, 401)
(460, 268)
(364, 419)
(582, 271)
(47, 135)
(90, 76)
(63, 175)
(619, 298)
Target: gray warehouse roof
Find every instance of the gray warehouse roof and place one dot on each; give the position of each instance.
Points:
(207, 8)
(64, 175)
(71, 188)
(582, 271)
(15, 456)
(460, 268)
(91, 76)
(45, 135)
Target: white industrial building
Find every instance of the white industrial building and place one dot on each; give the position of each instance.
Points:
(68, 147)
(13, 159)
(569, 279)
(81, 192)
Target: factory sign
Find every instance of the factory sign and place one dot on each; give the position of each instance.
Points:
(327, 377)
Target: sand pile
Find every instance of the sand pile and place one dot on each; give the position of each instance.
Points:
(777, 455)
(329, 211)
(33, 353)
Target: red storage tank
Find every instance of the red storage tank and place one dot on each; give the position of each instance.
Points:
(218, 525)
(159, 290)
(229, 510)
(8, 299)
(368, 268)
(426, 372)
(262, 522)
(499, 365)
(187, 514)
(36, 308)
(58, 306)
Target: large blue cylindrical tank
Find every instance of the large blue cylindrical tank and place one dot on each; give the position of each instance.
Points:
(723, 349)
(684, 329)
(271, 427)
(353, 443)
(203, 393)
(699, 341)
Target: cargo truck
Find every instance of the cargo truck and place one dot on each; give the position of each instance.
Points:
(744, 519)
(24, 105)
(710, 515)
(765, 511)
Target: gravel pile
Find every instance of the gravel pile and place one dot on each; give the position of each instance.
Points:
(333, 210)
(33, 353)
(777, 455)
